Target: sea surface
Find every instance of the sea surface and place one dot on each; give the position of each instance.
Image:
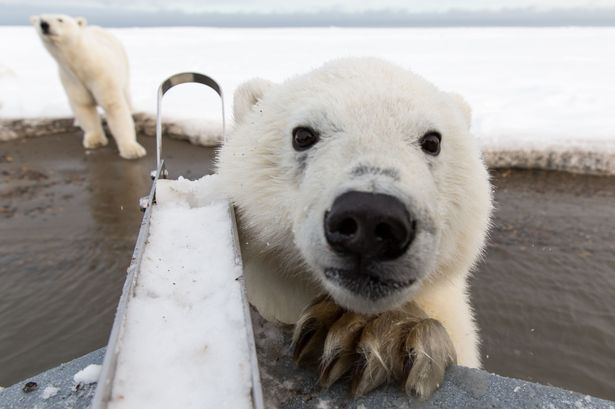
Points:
(543, 295)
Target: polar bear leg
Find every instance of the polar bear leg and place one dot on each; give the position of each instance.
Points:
(448, 302)
(83, 106)
(122, 126)
(277, 296)
(89, 121)
(129, 100)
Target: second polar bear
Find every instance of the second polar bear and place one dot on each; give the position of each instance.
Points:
(363, 203)
(94, 71)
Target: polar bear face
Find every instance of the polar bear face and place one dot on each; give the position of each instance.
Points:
(57, 28)
(364, 174)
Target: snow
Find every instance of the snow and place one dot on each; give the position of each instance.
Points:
(529, 87)
(185, 343)
(87, 375)
(49, 392)
(194, 193)
(323, 404)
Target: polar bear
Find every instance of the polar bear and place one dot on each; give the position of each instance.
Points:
(363, 204)
(94, 71)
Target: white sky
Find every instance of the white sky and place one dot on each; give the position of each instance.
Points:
(266, 6)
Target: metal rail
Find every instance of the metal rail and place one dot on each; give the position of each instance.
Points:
(104, 389)
(107, 373)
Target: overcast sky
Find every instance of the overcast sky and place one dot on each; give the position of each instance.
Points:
(319, 12)
(289, 6)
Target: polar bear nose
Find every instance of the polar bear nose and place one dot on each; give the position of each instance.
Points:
(369, 225)
(45, 27)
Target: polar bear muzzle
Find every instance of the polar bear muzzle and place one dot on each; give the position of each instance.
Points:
(44, 27)
(373, 226)
(366, 230)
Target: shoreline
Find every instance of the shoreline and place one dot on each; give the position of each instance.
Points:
(590, 159)
(206, 134)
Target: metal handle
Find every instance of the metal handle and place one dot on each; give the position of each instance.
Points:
(173, 80)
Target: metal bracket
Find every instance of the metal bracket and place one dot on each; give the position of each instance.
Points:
(161, 172)
(177, 79)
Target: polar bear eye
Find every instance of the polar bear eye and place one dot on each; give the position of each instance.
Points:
(304, 138)
(430, 143)
(60, 20)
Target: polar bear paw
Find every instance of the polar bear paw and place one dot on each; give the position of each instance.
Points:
(132, 151)
(92, 140)
(403, 346)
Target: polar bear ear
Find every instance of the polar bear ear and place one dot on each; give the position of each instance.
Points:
(247, 95)
(81, 21)
(462, 105)
(34, 20)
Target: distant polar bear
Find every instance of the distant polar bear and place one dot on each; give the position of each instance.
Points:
(363, 203)
(94, 72)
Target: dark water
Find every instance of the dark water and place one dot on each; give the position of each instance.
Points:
(68, 223)
(544, 295)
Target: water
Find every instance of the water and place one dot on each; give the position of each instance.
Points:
(544, 295)
(68, 222)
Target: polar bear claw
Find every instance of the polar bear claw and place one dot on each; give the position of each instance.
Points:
(403, 346)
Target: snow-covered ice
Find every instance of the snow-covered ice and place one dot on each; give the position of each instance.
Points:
(531, 87)
(87, 375)
(185, 343)
(49, 392)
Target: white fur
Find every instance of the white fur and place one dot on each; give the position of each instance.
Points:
(94, 71)
(373, 113)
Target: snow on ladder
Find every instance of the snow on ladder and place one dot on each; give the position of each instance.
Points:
(182, 335)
